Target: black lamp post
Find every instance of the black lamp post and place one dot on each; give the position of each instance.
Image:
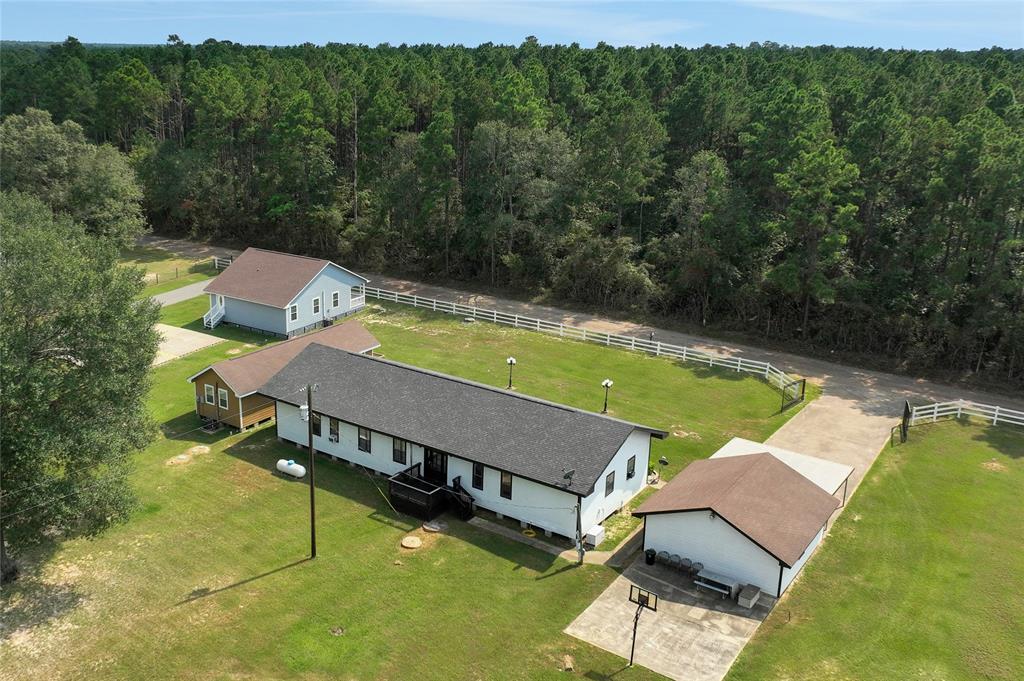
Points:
(511, 362)
(607, 383)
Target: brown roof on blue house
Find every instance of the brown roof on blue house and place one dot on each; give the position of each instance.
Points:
(268, 277)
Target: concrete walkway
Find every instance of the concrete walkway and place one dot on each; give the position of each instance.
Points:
(180, 294)
(622, 554)
(693, 636)
(848, 424)
(176, 342)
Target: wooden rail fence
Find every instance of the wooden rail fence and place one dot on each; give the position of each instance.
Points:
(929, 413)
(765, 370)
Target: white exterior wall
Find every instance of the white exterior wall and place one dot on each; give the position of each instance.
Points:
(596, 507)
(290, 426)
(539, 505)
(716, 544)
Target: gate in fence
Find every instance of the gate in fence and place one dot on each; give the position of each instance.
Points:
(221, 263)
(769, 373)
(793, 393)
(905, 421)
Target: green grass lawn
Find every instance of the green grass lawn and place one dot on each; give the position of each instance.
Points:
(207, 579)
(922, 577)
(166, 271)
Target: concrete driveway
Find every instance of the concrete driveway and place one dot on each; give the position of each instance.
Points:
(186, 292)
(693, 635)
(175, 342)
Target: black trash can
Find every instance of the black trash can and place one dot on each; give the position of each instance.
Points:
(649, 556)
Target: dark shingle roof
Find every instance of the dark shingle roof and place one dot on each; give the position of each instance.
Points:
(247, 373)
(268, 277)
(525, 436)
(769, 502)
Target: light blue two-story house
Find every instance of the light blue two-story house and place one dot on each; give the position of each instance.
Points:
(282, 294)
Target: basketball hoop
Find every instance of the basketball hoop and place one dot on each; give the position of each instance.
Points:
(645, 600)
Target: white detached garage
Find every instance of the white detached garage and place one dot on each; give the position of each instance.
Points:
(749, 517)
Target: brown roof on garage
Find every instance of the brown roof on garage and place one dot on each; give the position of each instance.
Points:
(769, 502)
(268, 277)
(247, 373)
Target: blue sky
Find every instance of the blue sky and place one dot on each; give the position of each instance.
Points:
(930, 24)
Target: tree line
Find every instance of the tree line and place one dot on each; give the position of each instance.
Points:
(852, 200)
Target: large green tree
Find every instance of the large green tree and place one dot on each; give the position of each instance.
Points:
(94, 184)
(76, 345)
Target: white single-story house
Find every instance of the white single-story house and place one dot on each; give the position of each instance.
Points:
(282, 294)
(748, 517)
(557, 468)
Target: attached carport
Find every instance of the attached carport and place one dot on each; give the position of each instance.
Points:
(828, 475)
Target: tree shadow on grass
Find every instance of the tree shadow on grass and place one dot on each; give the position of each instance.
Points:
(31, 601)
(1006, 439)
(187, 427)
(704, 371)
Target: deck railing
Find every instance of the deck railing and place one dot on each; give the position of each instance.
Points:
(956, 409)
(765, 370)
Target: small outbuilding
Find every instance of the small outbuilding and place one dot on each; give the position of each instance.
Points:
(750, 517)
(226, 392)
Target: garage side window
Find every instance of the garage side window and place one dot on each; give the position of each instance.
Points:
(631, 468)
(333, 432)
(209, 393)
(506, 485)
(222, 398)
(316, 305)
(609, 483)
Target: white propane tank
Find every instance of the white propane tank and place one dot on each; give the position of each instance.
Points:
(289, 467)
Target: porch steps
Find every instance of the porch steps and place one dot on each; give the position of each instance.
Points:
(212, 318)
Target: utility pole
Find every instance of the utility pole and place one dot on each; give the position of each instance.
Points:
(312, 474)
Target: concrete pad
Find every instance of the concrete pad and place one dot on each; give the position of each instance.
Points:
(182, 293)
(694, 635)
(176, 341)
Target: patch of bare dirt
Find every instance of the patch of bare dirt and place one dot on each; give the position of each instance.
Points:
(246, 478)
(995, 466)
(234, 351)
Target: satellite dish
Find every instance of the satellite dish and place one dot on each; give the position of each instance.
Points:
(567, 474)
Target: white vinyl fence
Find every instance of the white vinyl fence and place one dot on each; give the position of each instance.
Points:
(765, 370)
(956, 409)
(221, 263)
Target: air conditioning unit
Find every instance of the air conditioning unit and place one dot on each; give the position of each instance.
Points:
(594, 536)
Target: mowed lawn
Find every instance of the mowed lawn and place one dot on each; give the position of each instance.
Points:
(166, 271)
(922, 576)
(207, 579)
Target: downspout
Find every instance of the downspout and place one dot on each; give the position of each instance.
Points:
(579, 530)
(778, 591)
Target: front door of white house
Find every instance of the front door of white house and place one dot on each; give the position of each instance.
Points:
(435, 466)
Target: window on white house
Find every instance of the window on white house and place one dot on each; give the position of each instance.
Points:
(316, 305)
(316, 425)
(630, 467)
(334, 430)
(364, 439)
(399, 450)
(506, 485)
(222, 398)
(478, 476)
(209, 393)
(293, 312)
(335, 299)
(609, 484)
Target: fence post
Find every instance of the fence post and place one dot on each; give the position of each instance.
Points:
(657, 349)
(684, 353)
(959, 408)
(584, 333)
(435, 304)
(995, 417)
(739, 364)
(561, 329)
(632, 343)
(607, 339)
